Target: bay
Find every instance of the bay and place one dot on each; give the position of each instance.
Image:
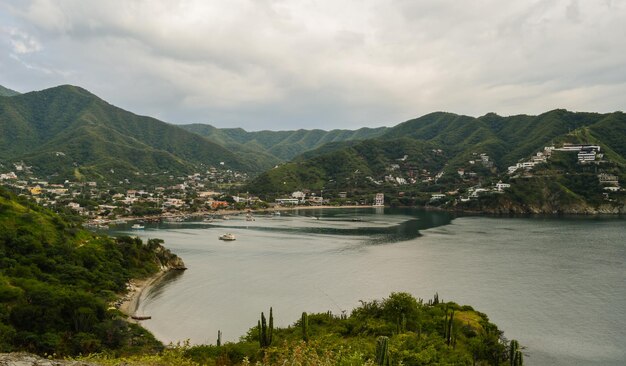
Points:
(558, 285)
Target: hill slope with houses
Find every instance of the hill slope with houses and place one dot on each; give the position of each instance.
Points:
(574, 162)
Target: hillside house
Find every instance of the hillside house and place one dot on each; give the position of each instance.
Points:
(500, 187)
(585, 156)
(7, 176)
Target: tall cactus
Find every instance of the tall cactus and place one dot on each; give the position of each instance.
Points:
(271, 328)
(515, 354)
(519, 358)
(219, 338)
(382, 351)
(304, 323)
(265, 332)
(450, 328)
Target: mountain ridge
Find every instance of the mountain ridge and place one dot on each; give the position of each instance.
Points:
(6, 92)
(37, 126)
(283, 145)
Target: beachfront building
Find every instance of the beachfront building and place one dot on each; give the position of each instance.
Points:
(437, 196)
(379, 200)
(287, 201)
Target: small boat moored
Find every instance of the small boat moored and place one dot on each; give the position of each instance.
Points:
(137, 227)
(227, 237)
(140, 317)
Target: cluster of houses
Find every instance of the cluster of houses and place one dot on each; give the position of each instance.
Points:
(103, 200)
(472, 192)
(586, 154)
(609, 182)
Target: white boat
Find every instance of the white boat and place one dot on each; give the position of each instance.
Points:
(137, 227)
(227, 237)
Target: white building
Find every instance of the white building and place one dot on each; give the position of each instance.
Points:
(379, 200)
(298, 195)
(287, 201)
(437, 196)
(502, 186)
(585, 156)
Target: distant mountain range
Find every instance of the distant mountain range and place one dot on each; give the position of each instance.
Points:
(67, 131)
(442, 142)
(282, 145)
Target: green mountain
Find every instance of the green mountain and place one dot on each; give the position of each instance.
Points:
(64, 129)
(504, 139)
(361, 165)
(279, 145)
(442, 143)
(57, 282)
(6, 92)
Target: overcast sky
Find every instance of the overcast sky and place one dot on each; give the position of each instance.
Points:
(262, 64)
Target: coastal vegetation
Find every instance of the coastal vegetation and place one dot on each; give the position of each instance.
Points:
(58, 281)
(398, 330)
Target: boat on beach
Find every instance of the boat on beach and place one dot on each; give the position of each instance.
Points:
(227, 237)
(141, 317)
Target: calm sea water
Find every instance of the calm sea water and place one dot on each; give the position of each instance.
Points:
(556, 285)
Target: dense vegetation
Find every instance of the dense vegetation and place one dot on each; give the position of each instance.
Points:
(279, 145)
(442, 143)
(56, 281)
(348, 168)
(6, 92)
(398, 330)
(66, 128)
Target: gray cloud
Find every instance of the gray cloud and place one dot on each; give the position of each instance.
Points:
(306, 64)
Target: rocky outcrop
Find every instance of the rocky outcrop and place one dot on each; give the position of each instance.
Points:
(27, 359)
(166, 259)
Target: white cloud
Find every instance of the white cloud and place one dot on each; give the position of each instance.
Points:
(22, 42)
(291, 64)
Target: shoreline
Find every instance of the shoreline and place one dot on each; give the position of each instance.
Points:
(103, 221)
(136, 288)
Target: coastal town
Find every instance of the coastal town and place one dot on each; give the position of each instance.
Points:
(221, 189)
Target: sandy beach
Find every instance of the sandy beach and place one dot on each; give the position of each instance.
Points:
(136, 287)
(103, 221)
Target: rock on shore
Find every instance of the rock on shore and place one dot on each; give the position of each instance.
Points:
(27, 359)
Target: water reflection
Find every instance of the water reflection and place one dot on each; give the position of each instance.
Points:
(156, 291)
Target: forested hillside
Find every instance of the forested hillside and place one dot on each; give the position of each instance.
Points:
(57, 281)
(427, 152)
(6, 92)
(61, 129)
(281, 145)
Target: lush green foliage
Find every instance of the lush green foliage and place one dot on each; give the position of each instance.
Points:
(416, 334)
(56, 281)
(348, 168)
(99, 139)
(6, 92)
(279, 145)
(343, 166)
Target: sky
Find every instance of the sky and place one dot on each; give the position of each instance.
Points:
(262, 64)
